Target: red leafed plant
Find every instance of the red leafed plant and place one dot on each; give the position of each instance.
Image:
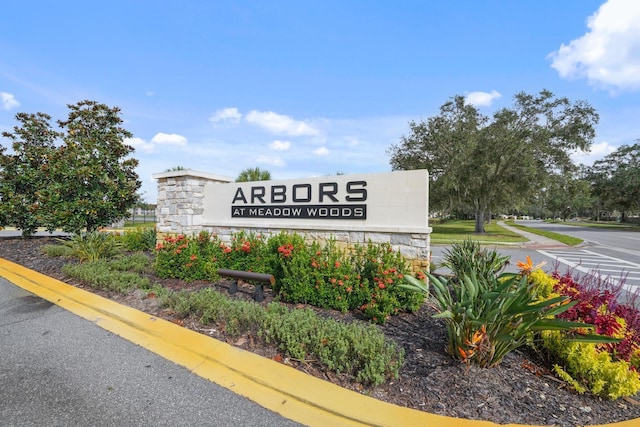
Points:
(600, 303)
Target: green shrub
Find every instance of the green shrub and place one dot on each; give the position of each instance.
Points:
(489, 315)
(609, 369)
(185, 258)
(248, 253)
(93, 246)
(382, 271)
(139, 239)
(212, 307)
(137, 263)
(57, 251)
(358, 349)
(469, 257)
(585, 367)
(100, 275)
(364, 278)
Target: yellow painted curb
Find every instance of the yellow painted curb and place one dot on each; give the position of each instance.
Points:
(282, 389)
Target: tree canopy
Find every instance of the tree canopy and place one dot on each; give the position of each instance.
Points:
(253, 174)
(480, 164)
(25, 173)
(78, 179)
(615, 180)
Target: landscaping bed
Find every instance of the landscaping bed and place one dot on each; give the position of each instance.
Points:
(519, 390)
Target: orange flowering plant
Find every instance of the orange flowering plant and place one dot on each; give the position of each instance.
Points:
(363, 278)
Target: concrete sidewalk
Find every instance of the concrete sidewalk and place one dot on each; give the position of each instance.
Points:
(535, 241)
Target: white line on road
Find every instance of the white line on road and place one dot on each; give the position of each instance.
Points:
(565, 258)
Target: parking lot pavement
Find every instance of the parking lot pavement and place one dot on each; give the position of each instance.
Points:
(58, 369)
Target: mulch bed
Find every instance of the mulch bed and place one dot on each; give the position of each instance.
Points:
(519, 390)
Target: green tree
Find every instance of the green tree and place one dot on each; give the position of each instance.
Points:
(567, 194)
(25, 173)
(93, 179)
(616, 180)
(480, 164)
(253, 174)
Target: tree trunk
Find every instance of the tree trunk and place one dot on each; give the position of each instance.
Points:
(480, 221)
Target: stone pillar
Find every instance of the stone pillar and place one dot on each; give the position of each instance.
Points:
(181, 200)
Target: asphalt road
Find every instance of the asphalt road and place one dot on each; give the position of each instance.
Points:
(614, 254)
(57, 369)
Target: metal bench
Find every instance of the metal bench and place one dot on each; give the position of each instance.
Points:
(258, 280)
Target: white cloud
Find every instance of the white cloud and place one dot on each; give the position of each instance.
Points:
(149, 93)
(280, 124)
(280, 145)
(322, 151)
(140, 144)
(598, 152)
(169, 139)
(8, 101)
(269, 160)
(609, 54)
(482, 99)
(226, 115)
(351, 141)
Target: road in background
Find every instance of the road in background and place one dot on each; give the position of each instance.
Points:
(615, 254)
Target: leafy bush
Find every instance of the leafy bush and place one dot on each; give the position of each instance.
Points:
(489, 315)
(328, 277)
(608, 369)
(139, 239)
(184, 258)
(325, 276)
(57, 251)
(100, 274)
(382, 271)
(597, 302)
(586, 367)
(93, 246)
(137, 263)
(357, 349)
(247, 253)
(468, 257)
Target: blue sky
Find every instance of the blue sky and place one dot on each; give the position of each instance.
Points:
(307, 88)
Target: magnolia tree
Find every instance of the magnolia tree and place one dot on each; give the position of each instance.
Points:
(24, 173)
(79, 179)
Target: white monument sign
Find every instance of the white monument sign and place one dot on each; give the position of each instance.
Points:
(395, 202)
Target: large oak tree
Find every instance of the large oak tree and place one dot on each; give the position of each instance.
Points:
(482, 163)
(616, 180)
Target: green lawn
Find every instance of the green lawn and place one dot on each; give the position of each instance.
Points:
(138, 224)
(458, 230)
(611, 225)
(562, 238)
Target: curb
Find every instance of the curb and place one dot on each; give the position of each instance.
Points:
(279, 388)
